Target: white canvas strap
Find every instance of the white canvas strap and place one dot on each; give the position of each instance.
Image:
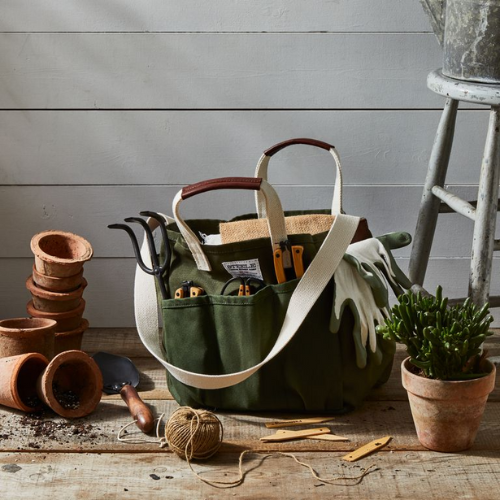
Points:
(262, 171)
(275, 222)
(308, 290)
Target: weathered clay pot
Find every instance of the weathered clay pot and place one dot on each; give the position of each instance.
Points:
(71, 373)
(71, 340)
(25, 335)
(60, 254)
(47, 301)
(66, 321)
(447, 413)
(55, 284)
(18, 377)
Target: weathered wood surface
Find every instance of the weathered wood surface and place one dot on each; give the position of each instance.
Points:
(108, 147)
(227, 15)
(241, 431)
(217, 71)
(69, 460)
(87, 210)
(399, 475)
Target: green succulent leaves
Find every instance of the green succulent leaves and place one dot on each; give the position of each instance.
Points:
(444, 342)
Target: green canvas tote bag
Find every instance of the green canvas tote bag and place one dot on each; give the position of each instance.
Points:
(303, 345)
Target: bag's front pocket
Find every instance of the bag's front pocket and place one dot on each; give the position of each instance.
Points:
(216, 334)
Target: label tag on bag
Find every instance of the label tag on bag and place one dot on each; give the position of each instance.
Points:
(244, 268)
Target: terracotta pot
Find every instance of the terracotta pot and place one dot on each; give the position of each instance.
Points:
(71, 385)
(66, 321)
(55, 284)
(72, 340)
(18, 377)
(447, 413)
(47, 301)
(60, 254)
(25, 335)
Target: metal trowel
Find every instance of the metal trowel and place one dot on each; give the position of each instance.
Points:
(120, 376)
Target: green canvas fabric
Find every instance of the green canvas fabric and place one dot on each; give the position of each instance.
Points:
(215, 334)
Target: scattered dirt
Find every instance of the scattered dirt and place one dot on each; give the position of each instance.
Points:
(40, 426)
(32, 401)
(67, 399)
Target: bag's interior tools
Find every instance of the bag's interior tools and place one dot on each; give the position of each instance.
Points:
(283, 264)
(188, 289)
(245, 289)
(159, 270)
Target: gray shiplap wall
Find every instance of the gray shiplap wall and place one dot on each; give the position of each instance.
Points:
(108, 108)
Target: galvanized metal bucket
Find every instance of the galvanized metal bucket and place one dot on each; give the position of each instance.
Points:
(469, 31)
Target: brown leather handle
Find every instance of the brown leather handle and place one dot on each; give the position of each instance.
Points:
(252, 183)
(290, 142)
(138, 409)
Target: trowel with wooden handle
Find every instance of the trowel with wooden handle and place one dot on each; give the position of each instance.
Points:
(120, 376)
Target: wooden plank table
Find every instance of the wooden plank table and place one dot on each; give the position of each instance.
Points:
(84, 459)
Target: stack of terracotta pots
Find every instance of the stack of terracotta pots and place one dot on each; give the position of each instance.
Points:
(57, 285)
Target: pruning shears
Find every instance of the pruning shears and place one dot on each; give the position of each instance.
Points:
(245, 289)
(188, 289)
(286, 257)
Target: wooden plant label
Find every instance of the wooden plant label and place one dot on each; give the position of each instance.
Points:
(288, 435)
(299, 421)
(367, 449)
(321, 437)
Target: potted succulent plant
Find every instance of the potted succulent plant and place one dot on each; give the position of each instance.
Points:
(447, 375)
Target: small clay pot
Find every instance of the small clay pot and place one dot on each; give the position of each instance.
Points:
(18, 378)
(55, 284)
(70, 341)
(25, 335)
(60, 254)
(47, 301)
(71, 385)
(66, 321)
(447, 413)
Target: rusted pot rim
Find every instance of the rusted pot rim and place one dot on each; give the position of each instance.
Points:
(448, 389)
(83, 326)
(35, 247)
(8, 326)
(47, 380)
(24, 358)
(56, 281)
(59, 296)
(56, 315)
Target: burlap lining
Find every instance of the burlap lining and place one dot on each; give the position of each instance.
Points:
(243, 230)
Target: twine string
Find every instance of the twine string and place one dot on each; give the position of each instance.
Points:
(348, 480)
(197, 435)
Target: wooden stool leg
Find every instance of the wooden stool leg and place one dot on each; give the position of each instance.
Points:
(486, 214)
(429, 206)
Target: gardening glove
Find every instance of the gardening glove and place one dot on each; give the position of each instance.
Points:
(361, 284)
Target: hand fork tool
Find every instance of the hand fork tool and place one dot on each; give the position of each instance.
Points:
(158, 269)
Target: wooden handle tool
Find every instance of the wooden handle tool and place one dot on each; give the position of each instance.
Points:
(138, 409)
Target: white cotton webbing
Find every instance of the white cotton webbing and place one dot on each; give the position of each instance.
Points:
(262, 171)
(275, 222)
(310, 287)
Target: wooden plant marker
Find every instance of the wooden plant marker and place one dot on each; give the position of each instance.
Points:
(298, 421)
(289, 435)
(367, 449)
(321, 437)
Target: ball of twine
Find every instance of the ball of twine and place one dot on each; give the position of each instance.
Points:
(194, 434)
